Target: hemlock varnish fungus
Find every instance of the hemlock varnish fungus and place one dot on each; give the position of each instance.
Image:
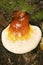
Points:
(20, 36)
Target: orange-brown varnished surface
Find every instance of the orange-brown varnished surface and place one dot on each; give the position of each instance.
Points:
(20, 24)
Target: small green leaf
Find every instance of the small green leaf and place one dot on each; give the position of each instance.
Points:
(38, 15)
(23, 6)
(8, 7)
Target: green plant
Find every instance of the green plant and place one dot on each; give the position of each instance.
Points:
(7, 5)
(38, 15)
(22, 5)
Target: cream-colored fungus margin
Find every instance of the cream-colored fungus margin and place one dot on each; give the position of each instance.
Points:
(22, 46)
